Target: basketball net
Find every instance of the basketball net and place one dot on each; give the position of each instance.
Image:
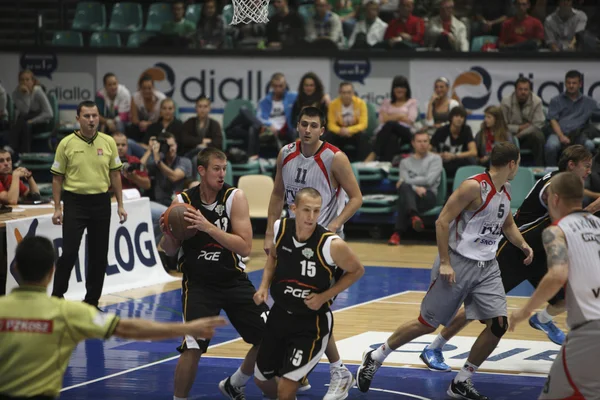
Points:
(246, 11)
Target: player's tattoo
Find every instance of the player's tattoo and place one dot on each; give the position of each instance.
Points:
(556, 247)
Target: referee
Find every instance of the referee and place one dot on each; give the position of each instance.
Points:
(86, 164)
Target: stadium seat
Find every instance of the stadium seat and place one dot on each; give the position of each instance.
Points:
(90, 16)
(228, 174)
(373, 121)
(374, 203)
(158, 14)
(479, 41)
(136, 39)
(257, 189)
(67, 39)
(105, 39)
(440, 198)
(368, 174)
(232, 109)
(465, 172)
(126, 17)
(306, 11)
(227, 14)
(193, 12)
(520, 186)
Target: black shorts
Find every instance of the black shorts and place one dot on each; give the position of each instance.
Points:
(510, 258)
(292, 344)
(237, 300)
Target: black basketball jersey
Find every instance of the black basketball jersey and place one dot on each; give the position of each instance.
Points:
(533, 208)
(301, 267)
(202, 258)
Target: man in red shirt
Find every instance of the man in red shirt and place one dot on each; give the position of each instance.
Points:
(406, 31)
(132, 177)
(521, 32)
(11, 187)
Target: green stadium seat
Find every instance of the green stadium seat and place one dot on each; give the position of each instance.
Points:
(465, 172)
(67, 39)
(193, 12)
(90, 16)
(105, 39)
(372, 118)
(136, 39)
(368, 174)
(374, 203)
(126, 17)
(440, 199)
(158, 14)
(478, 42)
(227, 14)
(229, 174)
(520, 186)
(232, 109)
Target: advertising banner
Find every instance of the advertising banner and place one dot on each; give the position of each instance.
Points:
(133, 259)
(220, 79)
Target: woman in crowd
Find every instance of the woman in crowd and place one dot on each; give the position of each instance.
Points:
(166, 122)
(200, 132)
(439, 106)
(310, 93)
(493, 130)
(211, 29)
(397, 117)
(114, 104)
(33, 112)
(145, 109)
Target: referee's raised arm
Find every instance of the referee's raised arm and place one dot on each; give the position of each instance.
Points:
(86, 164)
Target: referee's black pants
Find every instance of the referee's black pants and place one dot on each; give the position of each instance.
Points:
(82, 211)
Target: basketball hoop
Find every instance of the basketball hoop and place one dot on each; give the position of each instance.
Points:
(246, 11)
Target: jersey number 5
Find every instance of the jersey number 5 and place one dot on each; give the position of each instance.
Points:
(501, 211)
(297, 357)
(308, 268)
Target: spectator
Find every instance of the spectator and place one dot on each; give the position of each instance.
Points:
(493, 130)
(211, 29)
(420, 176)
(324, 25)
(524, 116)
(311, 93)
(388, 9)
(169, 172)
(454, 142)
(369, 31)
(285, 28)
(428, 8)
(569, 115)
(132, 174)
(347, 10)
(564, 26)
(33, 112)
(275, 110)
(439, 106)
(114, 104)
(166, 123)
(406, 31)
(347, 120)
(397, 117)
(12, 189)
(445, 31)
(200, 132)
(521, 32)
(179, 26)
(145, 108)
(489, 17)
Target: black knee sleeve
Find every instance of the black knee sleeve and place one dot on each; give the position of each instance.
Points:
(499, 326)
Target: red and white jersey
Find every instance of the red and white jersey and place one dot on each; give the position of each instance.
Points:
(582, 232)
(299, 172)
(475, 234)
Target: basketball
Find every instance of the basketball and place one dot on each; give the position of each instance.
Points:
(175, 223)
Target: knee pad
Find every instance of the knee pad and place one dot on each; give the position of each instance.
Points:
(499, 326)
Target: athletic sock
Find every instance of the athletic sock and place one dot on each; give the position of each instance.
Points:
(544, 317)
(239, 379)
(437, 343)
(179, 398)
(466, 372)
(335, 365)
(382, 352)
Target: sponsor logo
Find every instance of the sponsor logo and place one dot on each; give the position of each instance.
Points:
(308, 253)
(286, 249)
(476, 76)
(299, 293)
(486, 242)
(26, 325)
(491, 228)
(209, 255)
(219, 209)
(100, 152)
(590, 237)
(163, 76)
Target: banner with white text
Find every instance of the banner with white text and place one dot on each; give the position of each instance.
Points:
(133, 259)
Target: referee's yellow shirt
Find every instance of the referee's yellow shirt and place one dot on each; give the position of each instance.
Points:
(86, 163)
(37, 336)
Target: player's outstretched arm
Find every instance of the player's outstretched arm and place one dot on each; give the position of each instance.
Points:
(513, 234)
(275, 205)
(460, 200)
(555, 244)
(342, 172)
(142, 329)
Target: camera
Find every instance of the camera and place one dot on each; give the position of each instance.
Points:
(164, 146)
(130, 167)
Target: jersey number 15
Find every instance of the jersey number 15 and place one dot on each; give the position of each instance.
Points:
(308, 268)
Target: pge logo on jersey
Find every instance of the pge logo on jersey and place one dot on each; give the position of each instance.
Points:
(163, 76)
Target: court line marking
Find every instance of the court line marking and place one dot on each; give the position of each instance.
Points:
(418, 304)
(210, 347)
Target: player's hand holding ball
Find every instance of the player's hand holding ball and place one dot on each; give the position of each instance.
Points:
(447, 273)
(315, 301)
(261, 296)
(197, 221)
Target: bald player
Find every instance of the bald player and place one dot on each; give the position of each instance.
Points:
(572, 246)
(38, 333)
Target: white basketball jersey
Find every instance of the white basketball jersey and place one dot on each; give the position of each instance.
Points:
(582, 231)
(475, 234)
(299, 172)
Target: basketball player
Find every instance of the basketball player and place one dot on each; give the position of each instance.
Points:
(299, 270)
(213, 272)
(468, 231)
(310, 162)
(572, 245)
(531, 218)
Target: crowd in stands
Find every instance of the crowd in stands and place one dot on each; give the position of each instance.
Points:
(406, 25)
